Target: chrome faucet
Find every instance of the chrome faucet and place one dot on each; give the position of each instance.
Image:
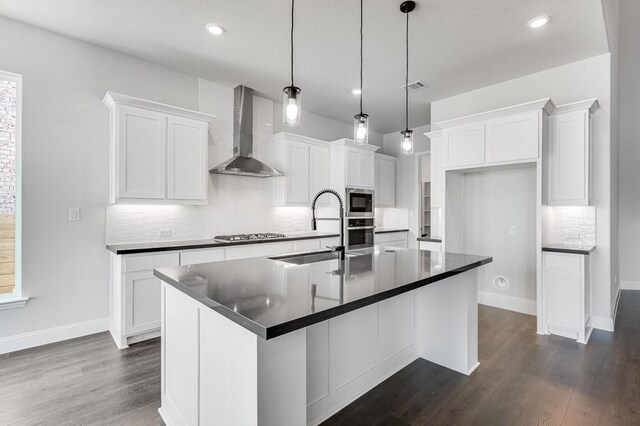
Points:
(340, 249)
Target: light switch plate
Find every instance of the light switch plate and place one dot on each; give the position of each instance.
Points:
(74, 214)
(165, 232)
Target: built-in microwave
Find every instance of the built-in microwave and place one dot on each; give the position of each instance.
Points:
(359, 202)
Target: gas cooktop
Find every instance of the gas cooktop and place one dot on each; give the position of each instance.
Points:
(247, 237)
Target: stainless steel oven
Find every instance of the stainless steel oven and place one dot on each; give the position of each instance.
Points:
(359, 233)
(359, 202)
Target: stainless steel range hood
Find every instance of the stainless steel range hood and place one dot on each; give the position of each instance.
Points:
(242, 163)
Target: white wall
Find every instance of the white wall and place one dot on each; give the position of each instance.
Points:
(493, 202)
(629, 231)
(589, 78)
(65, 163)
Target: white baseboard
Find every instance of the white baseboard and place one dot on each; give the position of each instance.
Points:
(629, 285)
(510, 303)
(602, 323)
(52, 335)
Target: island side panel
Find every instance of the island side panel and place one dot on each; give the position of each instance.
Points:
(447, 322)
(214, 371)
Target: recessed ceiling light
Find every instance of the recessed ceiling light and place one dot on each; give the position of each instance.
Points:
(356, 91)
(538, 21)
(215, 29)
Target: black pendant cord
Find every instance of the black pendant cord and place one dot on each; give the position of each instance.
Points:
(361, 24)
(292, 10)
(406, 80)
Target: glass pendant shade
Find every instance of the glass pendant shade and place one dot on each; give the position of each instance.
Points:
(291, 106)
(407, 142)
(361, 129)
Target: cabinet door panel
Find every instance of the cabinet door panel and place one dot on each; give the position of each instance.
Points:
(563, 298)
(569, 155)
(464, 145)
(141, 154)
(298, 180)
(319, 173)
(352, 165)
(386, 191)
(365, 169)
(187, 159)
(512, 138)
(142, 302)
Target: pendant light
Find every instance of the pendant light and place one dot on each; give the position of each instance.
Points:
(361, 121)
(406, 140)
(292, 95)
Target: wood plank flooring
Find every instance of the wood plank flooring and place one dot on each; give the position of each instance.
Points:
(523, 379)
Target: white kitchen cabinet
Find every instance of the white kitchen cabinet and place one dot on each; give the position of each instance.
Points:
(567, 295)
(158, 152)
(464, 145)
(319, 171)
(513, 137)
(305, 164)
(385, 181)
(360, 168)
(352, 166)
(135, 292)
(187, 173)
(430, 245)
(569, 182)
(142, 311)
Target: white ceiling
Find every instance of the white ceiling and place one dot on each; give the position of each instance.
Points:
(455, 45)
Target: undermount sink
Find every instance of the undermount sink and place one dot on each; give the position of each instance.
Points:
(312, 257)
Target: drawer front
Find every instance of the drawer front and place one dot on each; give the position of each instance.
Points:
(391, 236)
(194, 257)
(306, 245)
(257, 250)
(430, 246)
(145, 262)
(397, 243)
(570, 262)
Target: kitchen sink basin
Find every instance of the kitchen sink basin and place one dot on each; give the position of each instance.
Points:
(310, 257)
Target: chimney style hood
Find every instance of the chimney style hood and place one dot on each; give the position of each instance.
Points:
(242, 163)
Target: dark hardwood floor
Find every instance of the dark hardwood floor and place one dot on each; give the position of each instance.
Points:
(523, 379)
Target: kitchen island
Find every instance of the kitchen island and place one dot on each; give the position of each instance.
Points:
(293, 339)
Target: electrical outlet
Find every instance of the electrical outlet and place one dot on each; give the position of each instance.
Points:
(74, 214)
(512, 230)
(165, 232)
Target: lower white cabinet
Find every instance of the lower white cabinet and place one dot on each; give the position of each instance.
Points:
(567, 295)
(135, 291)
(392, 239)
(430, 245)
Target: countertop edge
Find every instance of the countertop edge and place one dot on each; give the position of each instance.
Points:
(429, 240)
(184, 245)
(390, 230)
(299, 323)
(569, 250)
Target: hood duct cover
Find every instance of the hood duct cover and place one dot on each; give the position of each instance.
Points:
(242, 163)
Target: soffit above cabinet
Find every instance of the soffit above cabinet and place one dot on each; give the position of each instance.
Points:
(113, 98)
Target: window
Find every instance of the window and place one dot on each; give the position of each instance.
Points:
(10, 190)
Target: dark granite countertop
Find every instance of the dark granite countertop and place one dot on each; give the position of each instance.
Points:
(390, 230)
(150, 247)
(430, 239)
(271, 297)
(569, 248)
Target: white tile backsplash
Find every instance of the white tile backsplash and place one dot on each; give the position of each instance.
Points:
(570, 224)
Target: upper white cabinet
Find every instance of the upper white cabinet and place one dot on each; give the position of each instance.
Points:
(158, 152)
(569, 168)
(464, 145)
(385, 180)
(305, 164)
(352, 165)
(512, 138)
(499, 137)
